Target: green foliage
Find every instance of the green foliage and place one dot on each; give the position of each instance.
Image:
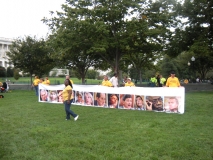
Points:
(2, 71)
(31, 55)
(39, 131)
(92, 74)
(16, 74)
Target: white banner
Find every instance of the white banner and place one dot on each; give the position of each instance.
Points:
(159, 99)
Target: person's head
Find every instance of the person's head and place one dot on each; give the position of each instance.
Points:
(101, 99)
(173, 104)
(60, 97)
(36, 77)
(67, 82)
(115, 74)
(41, 80)
(88, 98)
(139, 101)
(67, 77)
(127, 101)
(128, 80)
(172, 73)
(105, 77)
(53, 95)
(46, 78)
(43, 94)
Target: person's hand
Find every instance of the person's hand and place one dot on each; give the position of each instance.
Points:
(68, 101)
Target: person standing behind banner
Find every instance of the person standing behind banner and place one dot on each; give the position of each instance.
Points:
(153, 81)
(68, 99)
(106, 82)
(172, 81)
(68, 77)
(114, 80)
(129, 83)
(36, 81)
(47, 81)
(162, 81)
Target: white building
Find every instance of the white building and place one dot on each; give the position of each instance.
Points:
(5, 44)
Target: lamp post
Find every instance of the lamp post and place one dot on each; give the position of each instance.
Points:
(5, 66)
(189, 78)
(193, 60)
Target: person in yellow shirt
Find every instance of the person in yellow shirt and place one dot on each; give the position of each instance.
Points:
(47, 81)
(35, 84)
(172, 81)
(129, 83)
(68, 99)
(106, 82)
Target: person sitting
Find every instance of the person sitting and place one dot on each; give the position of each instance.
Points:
(129, 83)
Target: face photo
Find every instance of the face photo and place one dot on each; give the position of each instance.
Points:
(113, 100)
(100, 99)
(79, 97)
(126, 101)
(60, 98)
(171, 104)
(154, 103)
(43, 95)
(53, 96)
(139, 102)
(88, 98)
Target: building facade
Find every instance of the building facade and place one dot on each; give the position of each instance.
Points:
(5, 44)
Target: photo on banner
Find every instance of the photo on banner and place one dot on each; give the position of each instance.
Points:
(60, 98)
(140, 102)
(126, 101)
(43, 93)
(79, 98)
(100, 99)
(88, 99)
(172, 104)
(154, 103)
(53, 96)
(113, 100)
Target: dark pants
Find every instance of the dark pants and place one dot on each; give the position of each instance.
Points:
(36, 90)
(67, 109)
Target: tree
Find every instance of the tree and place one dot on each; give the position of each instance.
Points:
(2, 71)
(31, 55)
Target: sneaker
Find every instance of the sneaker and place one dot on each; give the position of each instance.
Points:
(75, 119)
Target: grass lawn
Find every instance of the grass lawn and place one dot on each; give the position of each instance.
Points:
(33, 130)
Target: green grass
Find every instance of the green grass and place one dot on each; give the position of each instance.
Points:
(33, 130)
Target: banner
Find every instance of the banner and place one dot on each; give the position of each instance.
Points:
(159, 99)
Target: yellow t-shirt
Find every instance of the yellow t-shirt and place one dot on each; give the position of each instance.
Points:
(172, 82)
(36, 82)
(1, 84)
(47, 82)
(131, 84)
(65, 93)
(106, 83)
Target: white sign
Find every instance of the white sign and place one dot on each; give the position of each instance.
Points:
(159, 99)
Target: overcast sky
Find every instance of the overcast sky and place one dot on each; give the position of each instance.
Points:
(19, 18)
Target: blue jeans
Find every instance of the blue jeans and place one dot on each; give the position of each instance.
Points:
(67, 109)
(36, 90)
